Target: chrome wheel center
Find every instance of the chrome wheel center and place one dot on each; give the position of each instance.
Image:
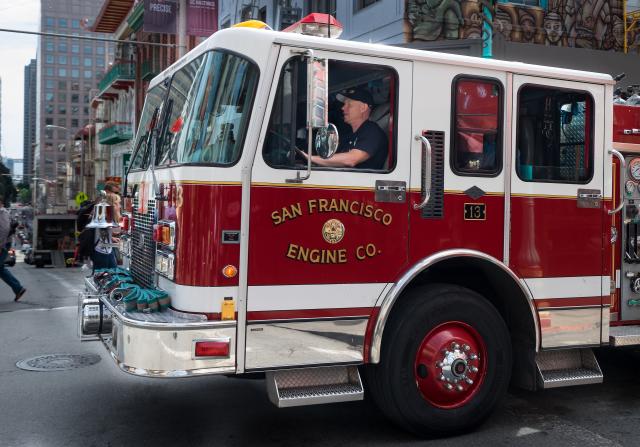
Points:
(456, 367)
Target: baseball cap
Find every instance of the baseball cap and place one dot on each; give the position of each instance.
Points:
(357, 94)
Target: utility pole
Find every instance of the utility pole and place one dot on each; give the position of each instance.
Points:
(182, 28)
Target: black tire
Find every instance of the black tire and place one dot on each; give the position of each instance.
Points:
(12, 263)
(39, 265)
(407, 384)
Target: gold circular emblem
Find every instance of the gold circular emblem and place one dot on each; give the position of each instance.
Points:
(333, 231)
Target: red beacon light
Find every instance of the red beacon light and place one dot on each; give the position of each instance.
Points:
(317, 24)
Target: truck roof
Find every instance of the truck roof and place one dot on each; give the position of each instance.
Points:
(218, 39)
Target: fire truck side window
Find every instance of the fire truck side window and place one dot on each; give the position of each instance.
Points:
(153, 102)
(554, 136)
(287, 126)
(477, 133)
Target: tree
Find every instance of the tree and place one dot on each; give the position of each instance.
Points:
(7, 190)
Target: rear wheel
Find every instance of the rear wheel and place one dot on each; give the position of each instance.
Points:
(446, 361)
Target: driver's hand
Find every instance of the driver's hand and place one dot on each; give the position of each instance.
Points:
(302, 153)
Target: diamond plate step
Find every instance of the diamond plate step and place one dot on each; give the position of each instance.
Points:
(624, 335)
(567, 368)
(312, 386)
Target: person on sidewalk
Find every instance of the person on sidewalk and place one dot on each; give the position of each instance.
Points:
(5, 240)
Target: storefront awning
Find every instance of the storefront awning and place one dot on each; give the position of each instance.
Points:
(111, 16)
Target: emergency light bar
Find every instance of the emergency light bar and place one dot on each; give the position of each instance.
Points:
(317, 24)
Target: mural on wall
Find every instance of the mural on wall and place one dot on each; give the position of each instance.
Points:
(593, 24)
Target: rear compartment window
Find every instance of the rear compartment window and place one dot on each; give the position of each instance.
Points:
(555, 135)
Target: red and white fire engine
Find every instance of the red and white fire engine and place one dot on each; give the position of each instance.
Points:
(497, 244)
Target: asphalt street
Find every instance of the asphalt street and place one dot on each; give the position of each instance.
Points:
(99, 405)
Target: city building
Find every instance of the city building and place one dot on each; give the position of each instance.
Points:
(160, 38)
(68, 75)
(29, 122)
(594, 35)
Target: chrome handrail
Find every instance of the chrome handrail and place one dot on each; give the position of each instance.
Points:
(426, 172)
(623, 165)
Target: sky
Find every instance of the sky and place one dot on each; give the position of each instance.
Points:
(15, 52)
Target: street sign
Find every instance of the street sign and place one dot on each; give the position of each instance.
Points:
(81, 197)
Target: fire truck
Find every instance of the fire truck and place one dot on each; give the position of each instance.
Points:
(496, 244)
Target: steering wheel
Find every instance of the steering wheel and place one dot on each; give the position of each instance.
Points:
(283, 152)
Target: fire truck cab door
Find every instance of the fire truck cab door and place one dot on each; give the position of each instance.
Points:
(323, 250)
(556, 205)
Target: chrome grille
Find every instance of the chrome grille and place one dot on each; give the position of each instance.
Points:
(143, 247)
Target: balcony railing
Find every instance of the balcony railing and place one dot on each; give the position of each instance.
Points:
(122, 74)
(114, 133)
(149, 69)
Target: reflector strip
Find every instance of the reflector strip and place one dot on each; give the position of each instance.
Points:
(212, 348)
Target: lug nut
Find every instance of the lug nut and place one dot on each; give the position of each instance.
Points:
(455, 346)
(473, 357)
(442, 378)
(449, 386)
(439, 364)
(466, 347)
(474, 369)
(459, 388)
(469, 381)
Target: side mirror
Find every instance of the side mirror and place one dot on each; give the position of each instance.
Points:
(327, 140)
(318, 92)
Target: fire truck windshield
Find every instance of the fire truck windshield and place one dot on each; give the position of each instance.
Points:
(211, 101)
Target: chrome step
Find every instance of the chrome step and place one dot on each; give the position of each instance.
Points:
(624, 335)
(567, 368)
(312, 386)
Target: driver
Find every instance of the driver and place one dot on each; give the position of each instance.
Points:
(365, 147)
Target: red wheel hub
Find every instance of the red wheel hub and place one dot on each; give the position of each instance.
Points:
(450, 364)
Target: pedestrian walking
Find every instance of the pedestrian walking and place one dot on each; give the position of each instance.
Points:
(5, 241)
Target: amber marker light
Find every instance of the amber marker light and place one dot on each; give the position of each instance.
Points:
(229, 271)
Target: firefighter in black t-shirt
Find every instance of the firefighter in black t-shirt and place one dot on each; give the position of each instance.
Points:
(365, 147)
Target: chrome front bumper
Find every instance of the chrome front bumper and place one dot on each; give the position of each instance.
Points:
(155, 344)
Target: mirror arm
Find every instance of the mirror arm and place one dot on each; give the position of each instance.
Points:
(299, 179)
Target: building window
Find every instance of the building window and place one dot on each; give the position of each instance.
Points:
(75, 23)
(361, 4)
(88, 62)
(62, 47)
(62, 97)
(48, 96)
(63, 123)
(75, 110)
(99, 50)
(48, 121)
(88, 74)
(62, 85)
(62, 109)
(62, 23)
(75, 86)
(49, 59)
(323, 6)
(75, 48)
(62, 59)
(75, 60)
(48, 83)
(74, 122)
(62, 72)
(48, 109)
(50, 21)
(554, 135)
(49, 71)
(100, 62)
(49, 45)
(75, 98)
(88, 50)
(476, 137)
(75, 73)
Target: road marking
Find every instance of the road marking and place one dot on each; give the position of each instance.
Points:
(72, 287)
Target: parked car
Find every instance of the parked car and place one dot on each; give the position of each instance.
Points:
(28, 255)
(11, 258)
